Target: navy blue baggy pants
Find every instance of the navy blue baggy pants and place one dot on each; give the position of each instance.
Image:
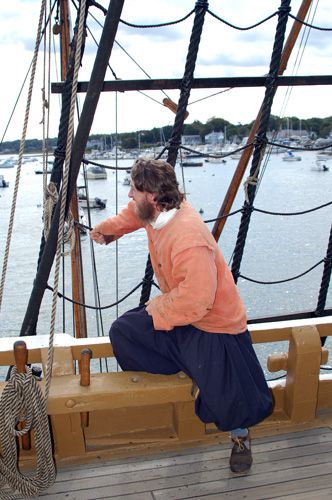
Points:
(233, 391)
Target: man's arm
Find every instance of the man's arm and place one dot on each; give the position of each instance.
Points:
(114, 227)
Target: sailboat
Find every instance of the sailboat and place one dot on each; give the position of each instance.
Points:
(95, 417)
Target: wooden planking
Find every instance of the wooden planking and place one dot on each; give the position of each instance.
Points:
(295, 464)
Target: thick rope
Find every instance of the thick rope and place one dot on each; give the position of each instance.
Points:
(175, 141)
(63, 195)
(23, 400)
(326, 277)
(260, 142)
(21, 151)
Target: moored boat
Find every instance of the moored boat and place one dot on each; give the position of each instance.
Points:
(3, 182)
(96, 172)
(290, 156)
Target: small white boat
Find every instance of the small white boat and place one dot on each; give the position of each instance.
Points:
(3, 182)
(290, 156)
(320, 167)
(91, 202)
(96, 172)
(9, 163)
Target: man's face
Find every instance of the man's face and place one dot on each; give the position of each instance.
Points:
(145, 208)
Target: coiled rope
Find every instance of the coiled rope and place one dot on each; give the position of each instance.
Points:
(22, 400)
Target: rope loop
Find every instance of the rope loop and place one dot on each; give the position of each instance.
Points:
(202, 4)
(260, 140)
(283, 9)
(60, 152)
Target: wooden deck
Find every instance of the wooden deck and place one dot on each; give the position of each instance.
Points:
(294, 466)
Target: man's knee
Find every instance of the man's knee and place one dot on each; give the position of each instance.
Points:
(115, 332)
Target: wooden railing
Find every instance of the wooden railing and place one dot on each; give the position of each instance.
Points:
(146, 408)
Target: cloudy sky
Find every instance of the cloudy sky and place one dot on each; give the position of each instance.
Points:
(161, 53)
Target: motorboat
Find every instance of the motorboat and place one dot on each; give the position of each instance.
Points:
(320, 166)
(8, 163)
(96, 172)
(90, 202)
(192, 163)
(3, 182)
(290, 156)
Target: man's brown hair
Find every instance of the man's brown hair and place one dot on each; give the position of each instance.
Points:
(157, 177)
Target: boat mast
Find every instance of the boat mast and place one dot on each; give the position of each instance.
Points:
(76, 254)
(246, 154)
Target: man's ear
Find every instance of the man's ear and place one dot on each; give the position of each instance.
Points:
(151, 198)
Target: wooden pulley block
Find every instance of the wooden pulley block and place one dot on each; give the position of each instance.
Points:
(172, 106)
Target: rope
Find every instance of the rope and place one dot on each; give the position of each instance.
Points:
(160, 25)
(102, 308)
(260, 141)
(21, 151)
(175, 141)
(239, 27)
(284, 280)
(22, 400)
(51, 198)
(63, 196)
(308, 24)
(325, 278)
(22, 394)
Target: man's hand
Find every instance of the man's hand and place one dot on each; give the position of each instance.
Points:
(147, 308)
(102, 239)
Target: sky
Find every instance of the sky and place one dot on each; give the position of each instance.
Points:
(161, 53)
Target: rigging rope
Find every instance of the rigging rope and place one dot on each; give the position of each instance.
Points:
(21, 151)
(175, 140)
(21, 393)
(260, 141)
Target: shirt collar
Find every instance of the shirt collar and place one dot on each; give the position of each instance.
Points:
(163, 218)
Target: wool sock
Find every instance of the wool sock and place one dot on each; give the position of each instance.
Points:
(241, 433)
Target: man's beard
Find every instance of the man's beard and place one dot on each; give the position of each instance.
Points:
(145, 210)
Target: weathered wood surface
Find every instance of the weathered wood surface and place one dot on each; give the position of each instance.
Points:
(293, 466)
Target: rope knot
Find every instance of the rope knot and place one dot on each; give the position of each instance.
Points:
(201, 4)
(250, 181)
(284, 10)
(59, 153)
(260, 140)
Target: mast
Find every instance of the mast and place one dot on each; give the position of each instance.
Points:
(76, 252)
(246, 154)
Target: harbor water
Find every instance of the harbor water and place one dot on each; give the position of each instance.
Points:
(278, 247)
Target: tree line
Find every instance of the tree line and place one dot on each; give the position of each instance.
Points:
(316, 127)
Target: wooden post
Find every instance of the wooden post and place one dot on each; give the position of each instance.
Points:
(84, 366)
(21, 360)
(303, 367)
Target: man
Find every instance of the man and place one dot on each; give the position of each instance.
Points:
(197, 323)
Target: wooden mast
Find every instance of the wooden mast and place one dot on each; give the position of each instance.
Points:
(76, 257)
(246, 154)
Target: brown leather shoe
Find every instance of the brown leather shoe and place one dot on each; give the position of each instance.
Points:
(241, 457)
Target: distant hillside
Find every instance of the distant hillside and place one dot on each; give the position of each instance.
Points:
(316, 127)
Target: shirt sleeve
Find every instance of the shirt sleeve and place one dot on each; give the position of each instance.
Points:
(125, 222)
(195, 271)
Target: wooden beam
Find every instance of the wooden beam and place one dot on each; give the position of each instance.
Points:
(200, 83)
